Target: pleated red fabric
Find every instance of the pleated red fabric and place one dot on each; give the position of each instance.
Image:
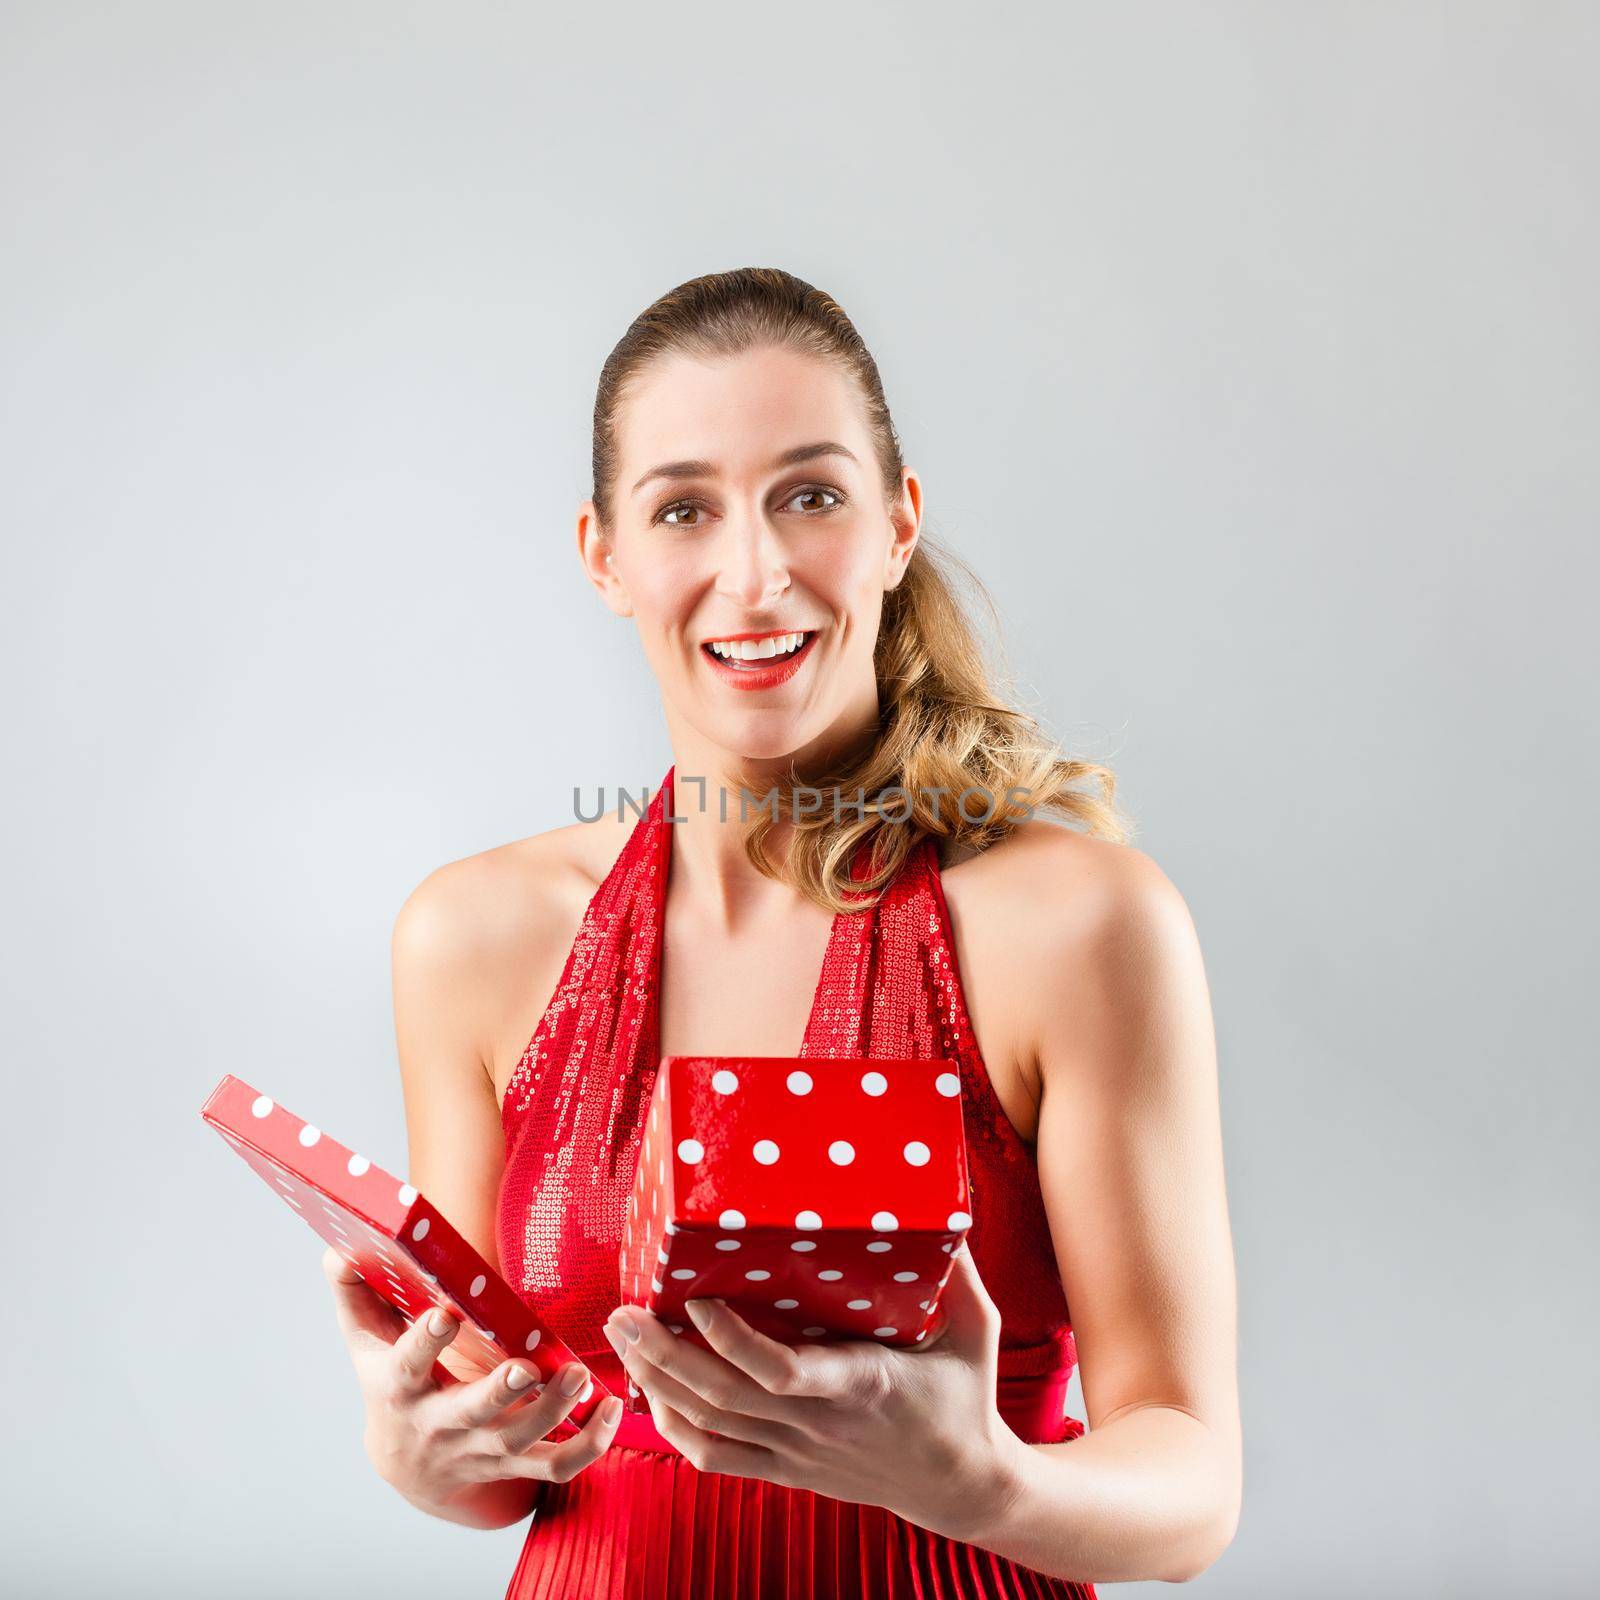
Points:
(643, 1523)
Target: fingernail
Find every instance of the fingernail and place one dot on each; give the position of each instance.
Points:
(611, 1411)
(613, 1338)
(518, 1378)
(699, 1314)
(439, 1324)
(629, 1326)
(573, 1379)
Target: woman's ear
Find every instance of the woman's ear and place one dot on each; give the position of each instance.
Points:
(906, 519)
(595, 551)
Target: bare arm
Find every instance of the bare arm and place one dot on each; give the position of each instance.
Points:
(452, 1119)
(1130, 1165)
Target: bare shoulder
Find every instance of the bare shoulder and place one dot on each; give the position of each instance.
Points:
(1064, 890)
(479, 902)
(488, 925)
(1085, 932)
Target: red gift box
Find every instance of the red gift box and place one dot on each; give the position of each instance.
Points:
(400, 1243)
(820, 1198)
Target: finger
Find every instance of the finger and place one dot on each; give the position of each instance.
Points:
(718, 1381)
(483, 1399)
(561, 1462)
(519, 1434)
(365, 1317)
(734, 1457)
(418, 1348)
(708, 1414)
(847, 1371)
(970, 1320)
(776, 1367)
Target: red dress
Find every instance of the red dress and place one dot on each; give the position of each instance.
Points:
(642, 1522)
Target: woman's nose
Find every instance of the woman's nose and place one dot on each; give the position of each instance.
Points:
(752, 564)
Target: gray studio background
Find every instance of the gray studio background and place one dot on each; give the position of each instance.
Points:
(1248, 351)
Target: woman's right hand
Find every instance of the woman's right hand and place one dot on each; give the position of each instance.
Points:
(470, 1451)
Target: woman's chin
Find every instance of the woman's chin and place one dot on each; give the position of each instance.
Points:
(757, 736)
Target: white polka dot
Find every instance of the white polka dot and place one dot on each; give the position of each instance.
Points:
(758, 1275)
(858, 1305)
(874, 1082)
(657, 1285)
(309, 1135)
(690, 1150)
(487, 1335)
(430, 1276)
(841, 1152)
(885, 1333)
(958, 1219)
(532, 1341)
(357, 1166)
(479, 1284)
(807, 1220)
(917, 1153)
(683, 1272)
(804, 1244)
(421, 1230)
(633, 1389)
(799, 1083)
(261, 1106)
(878, 1246)
(813, 1333)
(946, 1246)
(920, 1337)
(884, 1221)
(672, 1227)
(785, 1305)
(724, 1082)
(727, 1244)
(948, 1084)
(675, 1327)
(924, 1305)
(661, 1255)
(830, 1275)
(905, 1277)
(765, 1151)
(731, 1219)
(407, 1194)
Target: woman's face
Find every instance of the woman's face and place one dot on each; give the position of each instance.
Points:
(748, 502)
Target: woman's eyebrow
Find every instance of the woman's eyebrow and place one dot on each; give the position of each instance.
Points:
(704, 469)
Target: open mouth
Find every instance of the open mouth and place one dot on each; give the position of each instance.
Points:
(758, 663)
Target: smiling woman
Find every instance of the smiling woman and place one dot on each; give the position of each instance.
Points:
(751, 514)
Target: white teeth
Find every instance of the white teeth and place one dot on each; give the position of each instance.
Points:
(781, 644)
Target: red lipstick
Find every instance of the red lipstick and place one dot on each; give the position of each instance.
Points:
(758, 674)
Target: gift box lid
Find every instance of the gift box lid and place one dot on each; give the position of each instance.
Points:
(400, 1243)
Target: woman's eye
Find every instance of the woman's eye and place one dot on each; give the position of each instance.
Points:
(800, 494)
(666, 512)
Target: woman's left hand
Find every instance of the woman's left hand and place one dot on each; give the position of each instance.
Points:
(914, 1430)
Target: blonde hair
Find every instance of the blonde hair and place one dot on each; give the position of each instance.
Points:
(944, 731)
